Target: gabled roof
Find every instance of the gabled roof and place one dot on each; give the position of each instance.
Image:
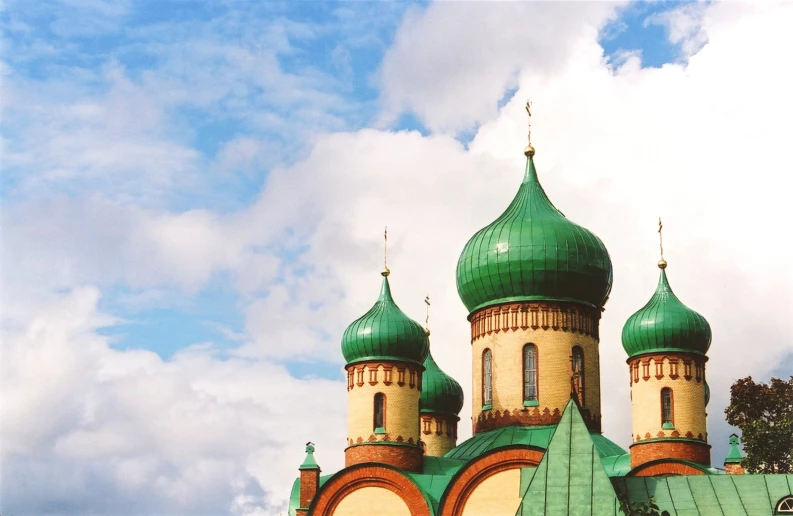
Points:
(570, 478)
(706, 495)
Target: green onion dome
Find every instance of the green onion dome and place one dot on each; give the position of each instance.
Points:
(384, 333)
(532, 252)
(665, 324)
(440, 393)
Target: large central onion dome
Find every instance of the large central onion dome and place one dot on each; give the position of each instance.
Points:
(440, 393)
(665, 324)
(384, 333)
(532, 252)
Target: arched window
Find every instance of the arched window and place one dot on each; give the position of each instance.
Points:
(529, 373)
(379, 412)
(578, 374)
(785, 505)
(667, 412)
(487, 378)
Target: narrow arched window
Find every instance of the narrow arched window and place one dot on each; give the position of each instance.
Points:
(379, 412)
(785, 505)
(578, 374)
(666, 408)
(487, 378)
(529, 373)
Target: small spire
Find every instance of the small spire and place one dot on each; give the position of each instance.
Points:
(529, 150)
(427, 319)
(309, 462)
(734, 457)
(661, 262)
(386, 271)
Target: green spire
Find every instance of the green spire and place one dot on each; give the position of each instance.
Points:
(309, 463)
(384, 333)
(440, 393)
(570, 477)
(532, 252)
(665, 324)
(734, 457)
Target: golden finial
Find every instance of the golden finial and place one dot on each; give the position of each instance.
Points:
(427, 319)
(662, 262)
(385, 271)
(529, 150)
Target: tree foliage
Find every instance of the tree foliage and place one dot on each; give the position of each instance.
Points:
(764, 414)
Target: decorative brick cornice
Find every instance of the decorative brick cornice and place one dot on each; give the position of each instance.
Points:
(557, 316)
(492, 419)
(664, 449)
(478, 470)
(677, 366)
(349, 480)
(380, 438)
(375, 373)
(403, 456)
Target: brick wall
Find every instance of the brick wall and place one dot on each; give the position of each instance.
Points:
(438, 433)
(554, 336)
(406, 457)
(643, 452)
(309, 483)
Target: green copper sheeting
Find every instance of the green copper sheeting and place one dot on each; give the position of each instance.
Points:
(706, 495)
(533, 252)
(385, 333)
(570, 478)
(440, 393)
(435, 477)
(665, 324)
(537, 436)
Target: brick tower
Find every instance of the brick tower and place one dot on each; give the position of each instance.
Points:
(385, 351)
(667, 343)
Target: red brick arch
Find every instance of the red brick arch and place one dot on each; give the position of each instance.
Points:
(368, 475)
(666, 467)
(481, 468)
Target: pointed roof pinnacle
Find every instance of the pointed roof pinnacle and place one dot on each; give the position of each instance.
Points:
(309, 462)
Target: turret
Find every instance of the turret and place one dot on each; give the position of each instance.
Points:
(666, 344)
(534, 284)
(309, 480)
(440, 403)
(385, 352)
(733, 463)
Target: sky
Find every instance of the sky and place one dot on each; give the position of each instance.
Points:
(194, 196)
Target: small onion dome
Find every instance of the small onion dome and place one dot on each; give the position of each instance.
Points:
(385, 333)
(665, 324)
(440, 393)
(532, 252)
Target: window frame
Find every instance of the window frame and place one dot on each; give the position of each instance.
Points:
(379, 429)
(487, 379)
(529, 401)
(579, 377)
(668, 423)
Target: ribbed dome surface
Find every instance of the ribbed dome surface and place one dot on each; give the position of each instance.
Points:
(533, 252)
(440, 393)
(665, 324)
(384, 333)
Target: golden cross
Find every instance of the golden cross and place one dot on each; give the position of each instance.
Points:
(528, 111)
(385, 247)
(661, 237)
(427, 320)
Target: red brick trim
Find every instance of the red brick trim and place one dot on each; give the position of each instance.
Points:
(646, 452)
(408, 457)
(348, 480)
(492, 419)
(665, 467)
(478, 470)
(555, 316)
(356, 374)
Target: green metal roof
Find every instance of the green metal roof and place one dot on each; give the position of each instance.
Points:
(294, 496)
(384, 333)
(734, 457)
(435, 477)
(440, 393)
(665, 324)
(570, 478)
(709, 495)
(533, 252)
(309, 462)
(537, 436)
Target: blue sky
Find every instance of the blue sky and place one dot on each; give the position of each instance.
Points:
(194, 191)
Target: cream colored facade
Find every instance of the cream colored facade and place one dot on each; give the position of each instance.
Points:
(372, 500)
(498, 495)
(554, 369)
(401, 402)
(439, 434)
(688, 399)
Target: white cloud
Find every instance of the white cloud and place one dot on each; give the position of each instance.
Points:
(703, 145)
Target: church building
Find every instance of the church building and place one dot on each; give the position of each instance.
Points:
(535, 285)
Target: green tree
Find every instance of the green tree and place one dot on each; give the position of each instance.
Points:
(764, 414)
